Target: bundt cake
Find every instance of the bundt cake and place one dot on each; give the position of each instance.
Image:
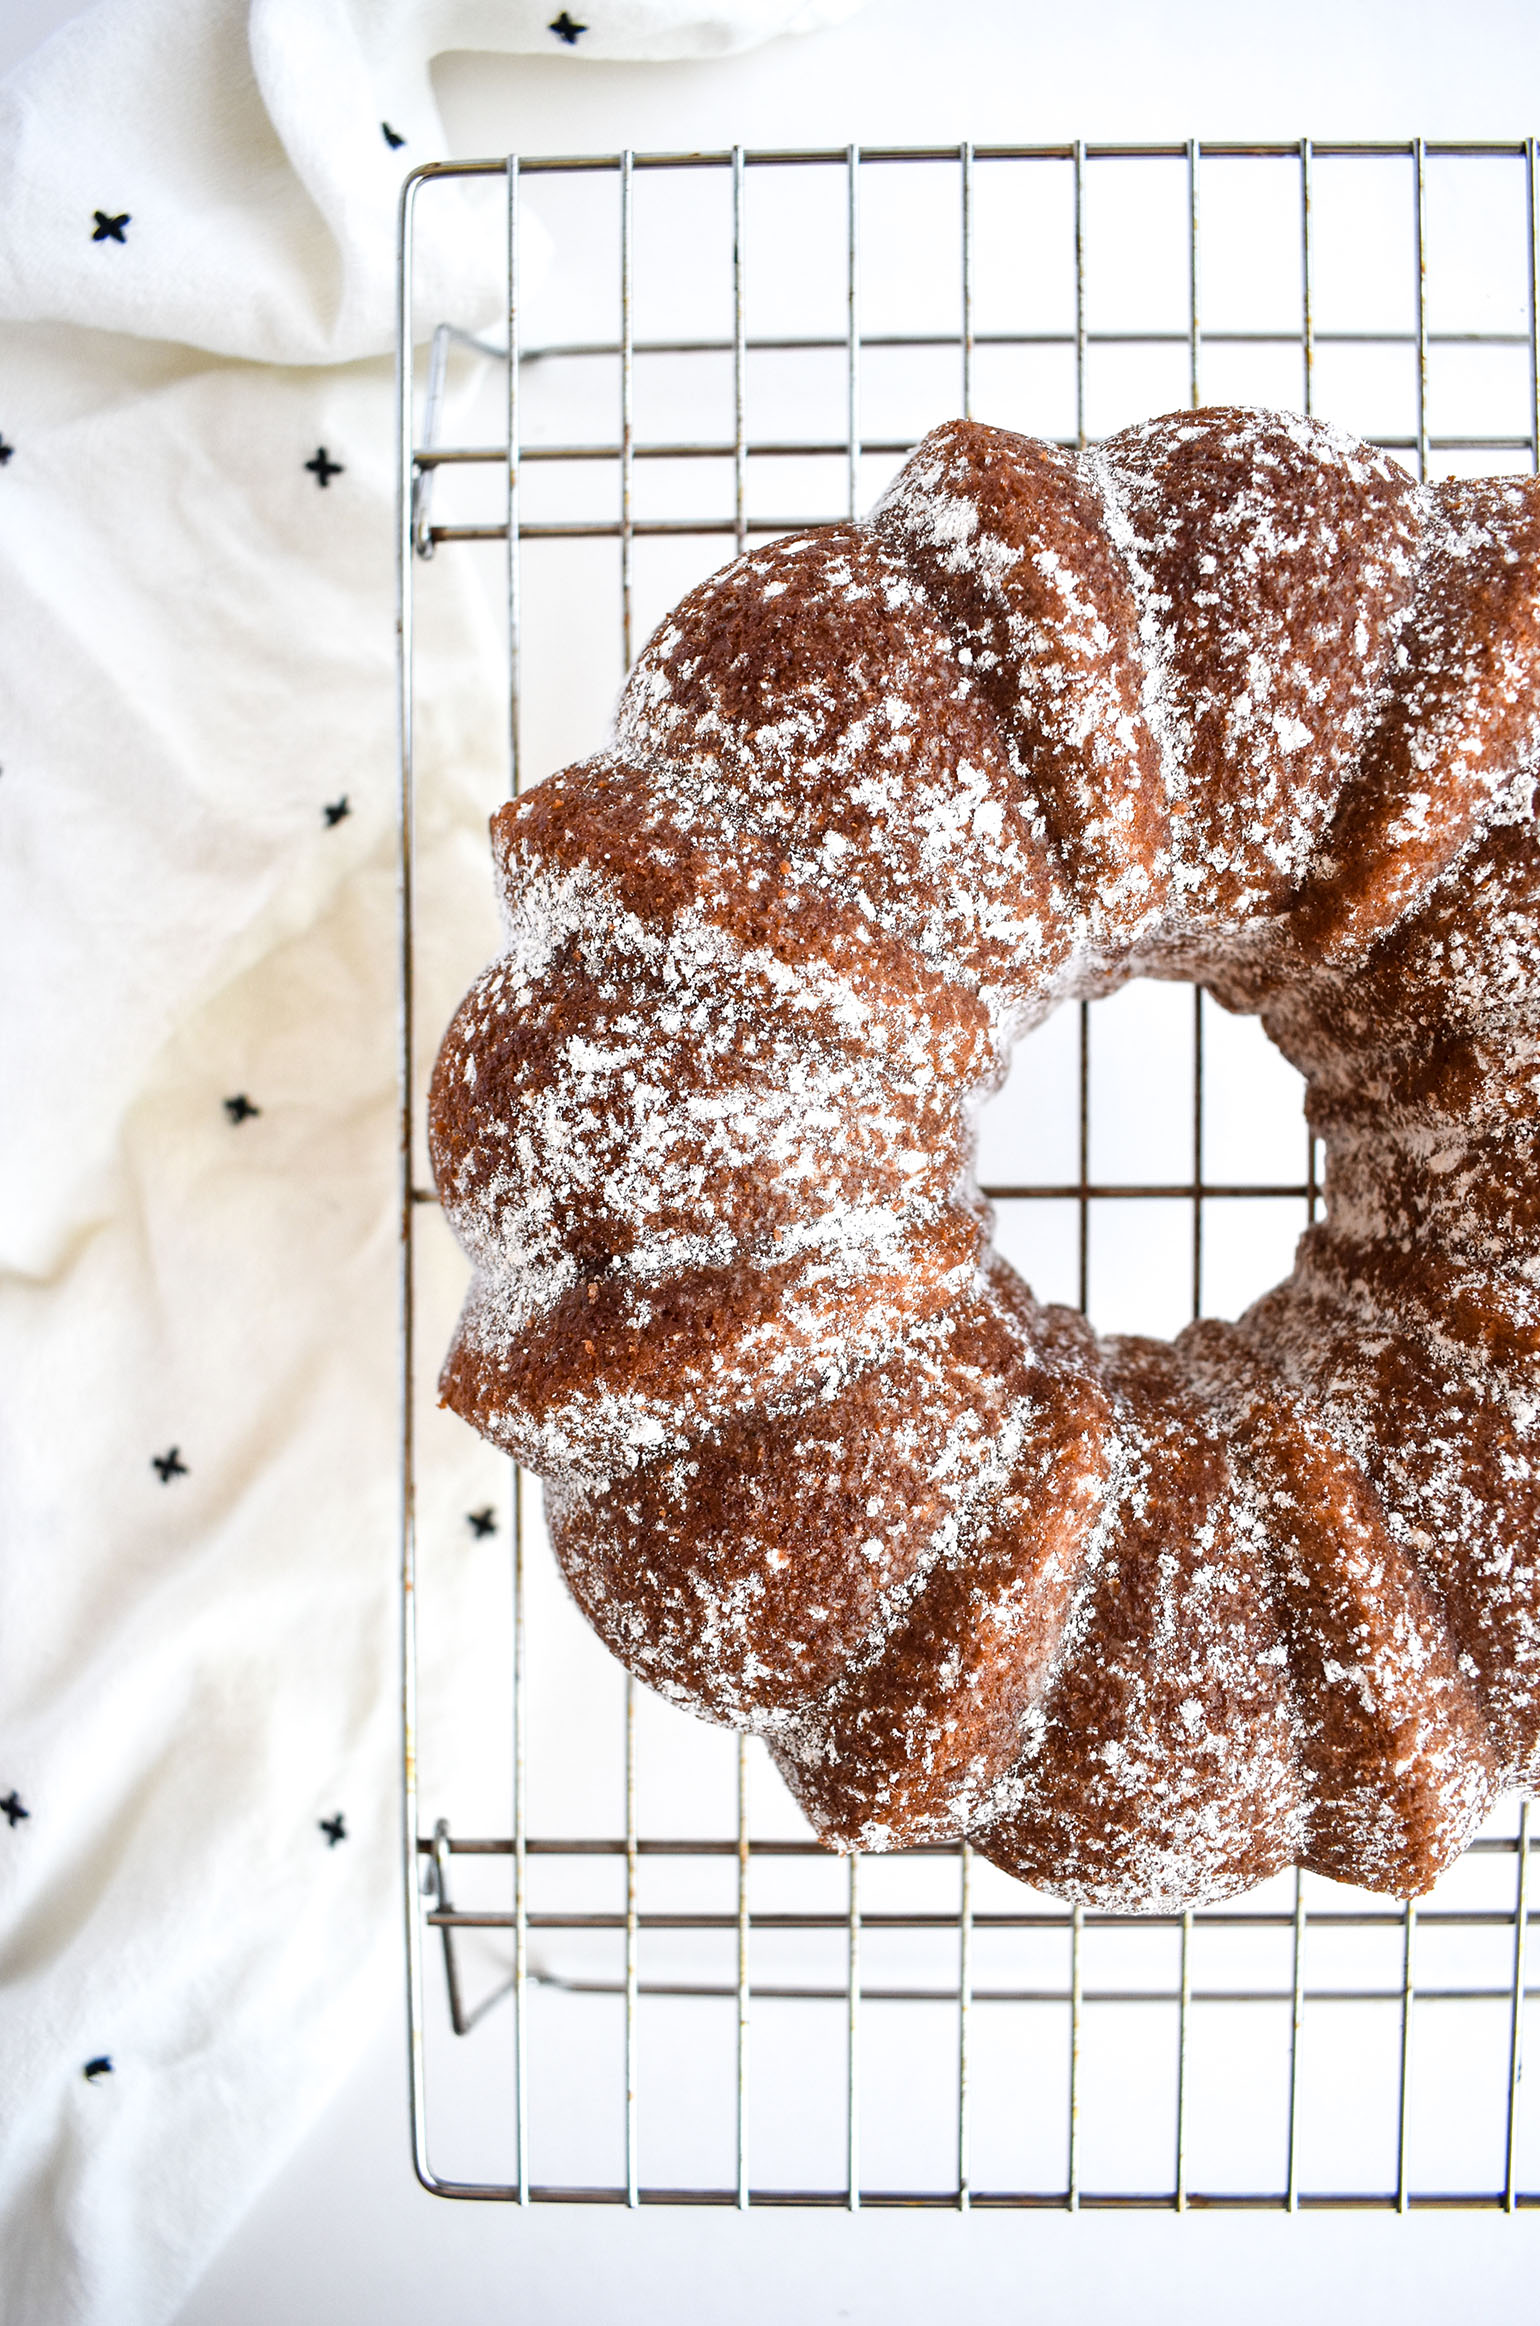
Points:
(1228, 699)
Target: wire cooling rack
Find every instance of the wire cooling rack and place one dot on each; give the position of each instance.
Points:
(696, 2004)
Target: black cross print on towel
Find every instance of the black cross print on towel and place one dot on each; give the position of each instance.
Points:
(169, 1465)
(481, 1522)
(335, 810)
(109, 229)
(393, 137)
(240, 1108)
(100, 2066)
(12, 1809)
(566, 30)
(334, 1828)
(322, 469)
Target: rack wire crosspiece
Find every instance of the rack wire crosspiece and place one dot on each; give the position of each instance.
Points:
(956, 1932)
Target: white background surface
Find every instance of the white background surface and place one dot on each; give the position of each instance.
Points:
(343, 2235)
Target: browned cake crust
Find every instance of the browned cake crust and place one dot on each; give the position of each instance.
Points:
(1229, 699)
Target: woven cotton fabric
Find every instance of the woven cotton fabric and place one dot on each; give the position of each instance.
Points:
(198, 958)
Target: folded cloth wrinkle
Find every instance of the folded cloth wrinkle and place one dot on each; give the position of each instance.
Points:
(196, 641)
(244, 137)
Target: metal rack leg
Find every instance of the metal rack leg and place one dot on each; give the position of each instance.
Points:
(966, 156)
(853, 2042)
(1516, 2022)
(964, 2015)
(1076, 2000)
(632, 1928)
(1194, 280)
(1403, 2104)
(853, 332)
(1183, 2023)
(520, 1876)
(742, 2063)
(627, 412)
(1296, 2028)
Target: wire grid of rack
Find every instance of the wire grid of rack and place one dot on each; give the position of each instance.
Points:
(435, 1859)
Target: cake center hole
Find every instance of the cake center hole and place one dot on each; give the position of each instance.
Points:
(1157, 1160)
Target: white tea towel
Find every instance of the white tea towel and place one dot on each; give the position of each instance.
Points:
(197, 958)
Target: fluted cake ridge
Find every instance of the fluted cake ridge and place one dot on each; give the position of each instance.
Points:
(1228, 699)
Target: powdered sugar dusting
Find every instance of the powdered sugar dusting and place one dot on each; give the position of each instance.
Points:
(1227, 699)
